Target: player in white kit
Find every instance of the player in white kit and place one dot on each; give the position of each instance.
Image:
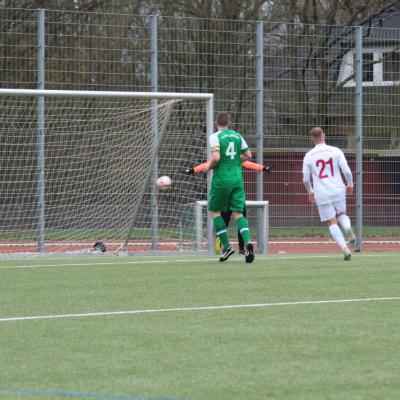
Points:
(322, 167)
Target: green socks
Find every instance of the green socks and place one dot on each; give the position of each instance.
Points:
(220, 229)
(243, 227)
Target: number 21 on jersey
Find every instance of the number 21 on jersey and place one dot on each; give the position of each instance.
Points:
(230, 151)
(323, 172)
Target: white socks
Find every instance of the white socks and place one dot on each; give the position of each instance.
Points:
(338, 237)
(344, 220)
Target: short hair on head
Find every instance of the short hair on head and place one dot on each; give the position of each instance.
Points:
(316, 132)
(223, 119)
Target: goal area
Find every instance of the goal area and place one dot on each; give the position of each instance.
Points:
(79, 167)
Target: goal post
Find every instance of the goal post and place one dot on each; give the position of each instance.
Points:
(79, 170)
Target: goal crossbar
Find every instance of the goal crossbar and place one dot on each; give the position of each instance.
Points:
(103, 93)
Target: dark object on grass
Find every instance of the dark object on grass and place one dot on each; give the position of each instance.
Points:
(100, 246)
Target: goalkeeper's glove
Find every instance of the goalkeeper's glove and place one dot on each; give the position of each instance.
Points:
(267, 168)
(188, 171)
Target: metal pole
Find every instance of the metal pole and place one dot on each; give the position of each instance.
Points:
(359, 137)
(198, 212)
(210, 130)
(147, 177)
(154, 132)
(260, 121)
(266, 222)
(40, 137)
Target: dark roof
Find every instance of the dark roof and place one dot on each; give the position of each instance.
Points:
(382, 26)
(379, 18)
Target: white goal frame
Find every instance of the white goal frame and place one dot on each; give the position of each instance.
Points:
(208, 98)
(262, 241)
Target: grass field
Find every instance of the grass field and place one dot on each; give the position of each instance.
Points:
(284, 327)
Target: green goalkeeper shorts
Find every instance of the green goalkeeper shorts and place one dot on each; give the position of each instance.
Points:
(224, 198)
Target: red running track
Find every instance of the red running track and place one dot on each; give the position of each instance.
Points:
(276, 246)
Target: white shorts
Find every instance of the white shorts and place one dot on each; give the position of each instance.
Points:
(329, 210)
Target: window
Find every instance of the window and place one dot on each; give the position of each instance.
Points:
(391, 66)
(381, 67)
(368, 67)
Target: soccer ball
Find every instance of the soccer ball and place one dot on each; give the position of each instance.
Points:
(164, 182)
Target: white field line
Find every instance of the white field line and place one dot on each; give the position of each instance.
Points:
(202, 308)
(274, 257)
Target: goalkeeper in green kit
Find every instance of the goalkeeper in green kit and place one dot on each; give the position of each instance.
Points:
(228, 151)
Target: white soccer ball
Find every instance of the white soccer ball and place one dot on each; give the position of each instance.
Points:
(164, 182)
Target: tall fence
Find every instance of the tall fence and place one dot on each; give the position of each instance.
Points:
(276, 79)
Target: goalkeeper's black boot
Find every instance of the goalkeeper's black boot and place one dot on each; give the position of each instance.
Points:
(249, 255)
(226, 254)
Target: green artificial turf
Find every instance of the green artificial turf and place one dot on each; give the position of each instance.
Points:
(310, 350)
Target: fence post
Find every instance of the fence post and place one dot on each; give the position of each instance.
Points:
(40, 135)
(210, 130)
(259, 123)
(359, 137)
(154, 130)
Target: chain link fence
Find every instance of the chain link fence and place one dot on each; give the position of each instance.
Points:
(308, 79)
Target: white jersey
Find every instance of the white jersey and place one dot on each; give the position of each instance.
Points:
(323, 164)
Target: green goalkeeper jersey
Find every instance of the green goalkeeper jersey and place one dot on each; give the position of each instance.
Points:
(231, 145)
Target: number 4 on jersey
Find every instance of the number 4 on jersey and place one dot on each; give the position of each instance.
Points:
(230, 151)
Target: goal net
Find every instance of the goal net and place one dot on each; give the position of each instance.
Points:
(80, 167)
